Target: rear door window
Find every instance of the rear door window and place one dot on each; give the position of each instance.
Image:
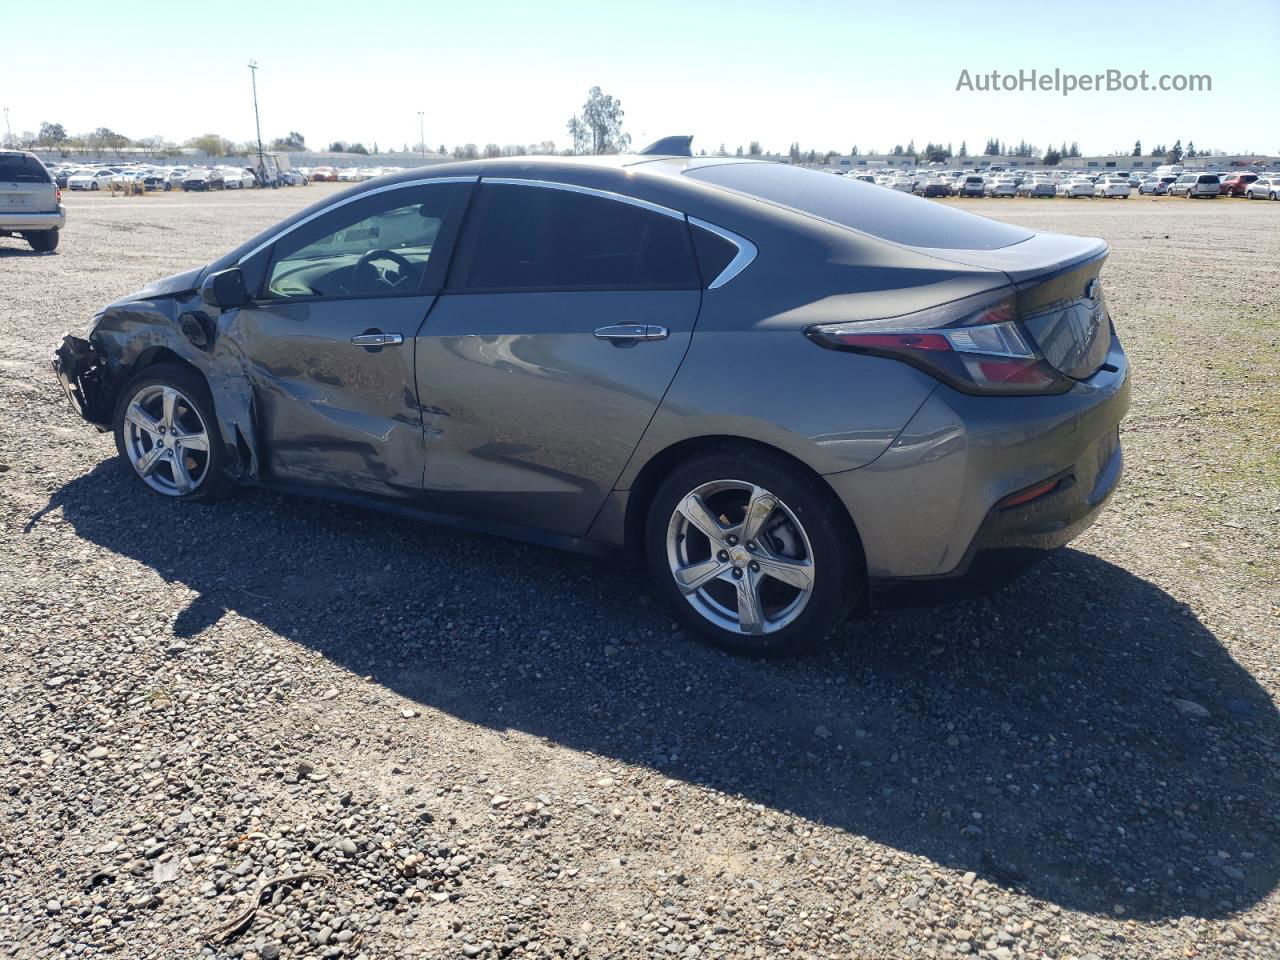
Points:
(529, 237)
(889, 214)
(19, 168)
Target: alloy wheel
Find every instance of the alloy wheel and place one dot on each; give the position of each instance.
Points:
(740, 557)
(166, 440)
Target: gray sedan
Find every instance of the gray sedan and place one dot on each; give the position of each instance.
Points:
(782, 389)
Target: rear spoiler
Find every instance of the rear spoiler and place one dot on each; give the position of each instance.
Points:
(678, 146)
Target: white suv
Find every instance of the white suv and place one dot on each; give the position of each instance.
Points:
(30, 201)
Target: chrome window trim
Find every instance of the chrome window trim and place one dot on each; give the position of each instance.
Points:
(746, 252)
(403, 185)
(588, 191)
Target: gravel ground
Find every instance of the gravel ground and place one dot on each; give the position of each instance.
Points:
(473, 748)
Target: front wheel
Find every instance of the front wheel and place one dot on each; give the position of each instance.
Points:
(165, 430)
(751, 552)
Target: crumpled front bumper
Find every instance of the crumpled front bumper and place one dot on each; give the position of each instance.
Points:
(86, 379)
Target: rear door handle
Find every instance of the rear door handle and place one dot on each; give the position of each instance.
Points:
(378, 340)
(633, 331)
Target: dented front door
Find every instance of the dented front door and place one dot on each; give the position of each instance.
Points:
(334, 387)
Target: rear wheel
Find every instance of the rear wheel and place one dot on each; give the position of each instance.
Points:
(749, 552)
(165, 430)
(43, 241)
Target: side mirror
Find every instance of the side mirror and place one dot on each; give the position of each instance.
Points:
(224, 289)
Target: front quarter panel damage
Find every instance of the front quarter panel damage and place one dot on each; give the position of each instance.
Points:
(131, 336)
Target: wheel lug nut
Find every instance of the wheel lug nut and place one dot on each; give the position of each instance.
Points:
(737, 573)
(731, 540)
(751, 544)
(722, 556)
(755, 567)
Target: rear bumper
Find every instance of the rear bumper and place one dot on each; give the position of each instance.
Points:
(22, 222)
(927, 508)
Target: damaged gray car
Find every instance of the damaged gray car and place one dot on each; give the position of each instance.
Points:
(782, 389)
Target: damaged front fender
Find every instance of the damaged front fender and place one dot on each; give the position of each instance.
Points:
(130, 336)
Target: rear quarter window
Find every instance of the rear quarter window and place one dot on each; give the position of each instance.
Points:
(18, 168)
(888, 214)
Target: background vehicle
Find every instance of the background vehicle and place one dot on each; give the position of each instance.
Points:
(1235, 185)
(1266, 187)
(323, 174)
(933, 187)
(157, 180)
(30, 201)
(203, 178)
(1110, 187)
(1192, 185)
(1076, 187)
(91, 179)
(970, 186)
(1156, 186)
(1037, 188)
(1003, 187)
(759, 531)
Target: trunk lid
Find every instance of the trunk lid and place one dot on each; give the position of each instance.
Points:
(1060, 301)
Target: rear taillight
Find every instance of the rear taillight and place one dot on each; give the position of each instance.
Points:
(975, 345)
(57, 193)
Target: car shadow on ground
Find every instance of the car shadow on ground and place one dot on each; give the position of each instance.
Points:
(1031, 737)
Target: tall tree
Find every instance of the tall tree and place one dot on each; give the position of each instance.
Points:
(579, 134)
(754, 148)
(1191, 150)
(51, 134)
(602, 119)
(211, 144)
(1137, 148)
(1175, 152)
(964, 150)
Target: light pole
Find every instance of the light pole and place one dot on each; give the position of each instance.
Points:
(253, 73)
(8, 134)
(422, 139)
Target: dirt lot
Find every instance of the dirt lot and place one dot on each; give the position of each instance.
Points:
(496, 750)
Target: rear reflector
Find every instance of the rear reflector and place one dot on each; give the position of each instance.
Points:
(1029, 494)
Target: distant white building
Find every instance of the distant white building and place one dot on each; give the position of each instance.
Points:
(873, 161)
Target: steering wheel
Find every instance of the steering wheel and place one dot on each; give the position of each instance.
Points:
(364, 270)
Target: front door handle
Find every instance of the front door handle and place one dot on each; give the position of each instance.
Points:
(633, 331)
(378, 340)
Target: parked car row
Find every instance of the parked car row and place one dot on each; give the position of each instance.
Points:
(1173, 181)
(347, 174)
(153, 177)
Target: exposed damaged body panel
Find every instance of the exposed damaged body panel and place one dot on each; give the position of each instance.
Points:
(132, 334)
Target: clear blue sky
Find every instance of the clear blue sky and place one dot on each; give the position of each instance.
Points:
(827, 74)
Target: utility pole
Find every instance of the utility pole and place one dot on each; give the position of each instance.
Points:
(262, 166)
(422, 139)
(8, 134)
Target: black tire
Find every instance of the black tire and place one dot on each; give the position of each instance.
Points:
(836, 555)
(42, 241)
(94, 185)
(214, 482)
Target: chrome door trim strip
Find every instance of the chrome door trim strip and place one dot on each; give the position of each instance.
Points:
(746, 252)
(589, 191)
(402, 185)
